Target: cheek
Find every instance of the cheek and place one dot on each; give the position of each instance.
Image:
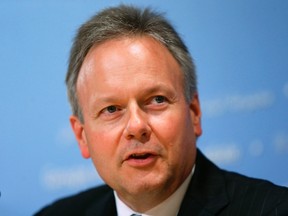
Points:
(102, 147)
(103, 137)
(175, 133)
(168, 128)
(102, 151)
(174, 120)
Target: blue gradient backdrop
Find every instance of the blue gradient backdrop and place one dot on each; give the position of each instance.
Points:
(240, 48)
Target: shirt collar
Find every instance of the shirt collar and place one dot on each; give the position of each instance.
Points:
(168, 207)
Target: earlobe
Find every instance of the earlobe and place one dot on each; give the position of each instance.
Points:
(80, 136)
(195, 110)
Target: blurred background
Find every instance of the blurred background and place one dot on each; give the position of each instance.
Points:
(240, 48)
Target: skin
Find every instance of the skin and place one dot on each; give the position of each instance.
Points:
(138, 128)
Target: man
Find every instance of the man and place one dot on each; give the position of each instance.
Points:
(132, 86)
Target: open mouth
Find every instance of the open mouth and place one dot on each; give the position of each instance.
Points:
(141, 159)
(140, 156)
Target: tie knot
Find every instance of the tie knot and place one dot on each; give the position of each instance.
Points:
(135, 215)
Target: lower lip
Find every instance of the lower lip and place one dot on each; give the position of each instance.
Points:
(142, 163)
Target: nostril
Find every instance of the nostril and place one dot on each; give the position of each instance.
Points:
(130, 136)
(142, 134)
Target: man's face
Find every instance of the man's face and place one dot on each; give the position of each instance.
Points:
(138, 128)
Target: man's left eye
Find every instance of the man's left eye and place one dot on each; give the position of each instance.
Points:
(159, 99)
(111, 109)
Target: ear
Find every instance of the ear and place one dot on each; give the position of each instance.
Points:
(195, 111)
(79, 132)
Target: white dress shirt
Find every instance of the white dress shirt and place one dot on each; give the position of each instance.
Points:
(168, 207)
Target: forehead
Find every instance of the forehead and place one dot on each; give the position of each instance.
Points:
(123, 58)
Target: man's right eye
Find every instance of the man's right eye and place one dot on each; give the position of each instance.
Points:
(110, 109)
(110, 112)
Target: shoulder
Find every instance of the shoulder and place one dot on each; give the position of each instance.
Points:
(236, 184)
(78, 203)
(241, 194)
(254, 190)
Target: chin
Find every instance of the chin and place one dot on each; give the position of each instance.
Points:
(146, 185)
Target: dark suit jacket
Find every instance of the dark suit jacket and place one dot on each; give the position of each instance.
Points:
(212, 191)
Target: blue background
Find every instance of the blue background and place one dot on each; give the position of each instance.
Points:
(240, 49)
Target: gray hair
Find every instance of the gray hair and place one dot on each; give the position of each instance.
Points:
(127, 21)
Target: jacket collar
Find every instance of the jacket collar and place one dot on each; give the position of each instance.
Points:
(206, 194)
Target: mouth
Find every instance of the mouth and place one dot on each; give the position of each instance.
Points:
(141, 156)
(141, 159)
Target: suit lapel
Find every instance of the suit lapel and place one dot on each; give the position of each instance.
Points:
(206, 194)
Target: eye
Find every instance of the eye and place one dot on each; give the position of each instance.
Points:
(159, 99)
(109, 113)
(111, 109)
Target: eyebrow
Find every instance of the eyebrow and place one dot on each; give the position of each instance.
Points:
(158, 88)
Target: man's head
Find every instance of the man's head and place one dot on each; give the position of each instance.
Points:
(127, 21)
(140, 117)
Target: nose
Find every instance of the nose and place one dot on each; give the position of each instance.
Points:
(137, 126)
